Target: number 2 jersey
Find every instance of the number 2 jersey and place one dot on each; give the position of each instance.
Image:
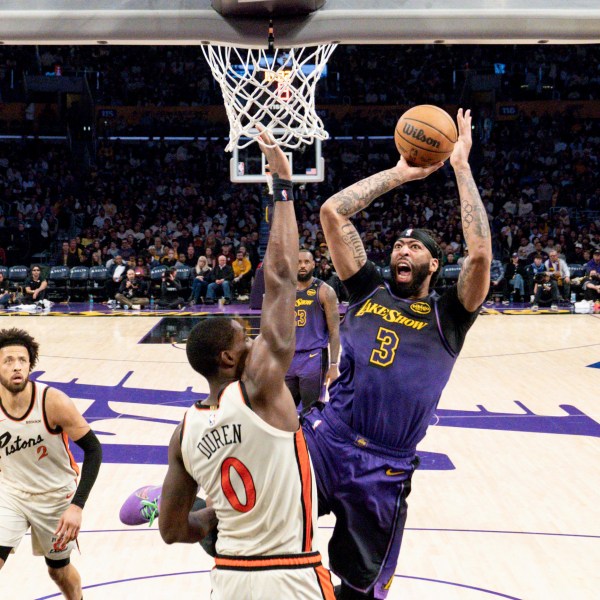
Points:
(260, 478)
(34, 458)
(397, 356)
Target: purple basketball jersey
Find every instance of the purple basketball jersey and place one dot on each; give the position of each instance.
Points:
(311, 325)
(395, 364)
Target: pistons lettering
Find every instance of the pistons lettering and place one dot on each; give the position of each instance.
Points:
(18, 443)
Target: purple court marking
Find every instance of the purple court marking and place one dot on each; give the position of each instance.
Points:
(563, 349)
(145, 528)
(441, 581)
(572, 422)
(460, 585)
(549, 534)
(117, 581)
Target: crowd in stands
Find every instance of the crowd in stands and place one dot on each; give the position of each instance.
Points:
(164, 203)
(364, 74)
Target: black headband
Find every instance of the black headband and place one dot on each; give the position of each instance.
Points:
(425, 239)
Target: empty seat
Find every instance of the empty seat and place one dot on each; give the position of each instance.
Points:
(58, 281)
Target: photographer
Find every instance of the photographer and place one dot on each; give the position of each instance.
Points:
(546, 292)
(170, 290)
(133, 292)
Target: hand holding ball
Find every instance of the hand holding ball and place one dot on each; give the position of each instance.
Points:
(425, 135)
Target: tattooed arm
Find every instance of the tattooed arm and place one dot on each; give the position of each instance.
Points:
(346, 248)
(474, 279)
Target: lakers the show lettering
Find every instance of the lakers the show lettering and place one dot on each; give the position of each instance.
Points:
(389, 315)
(303, 302)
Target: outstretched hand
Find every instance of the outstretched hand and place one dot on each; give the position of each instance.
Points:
(278, 161)
(462, 148)
(409, 173)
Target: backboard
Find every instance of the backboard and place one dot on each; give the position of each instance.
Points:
(244, 23)
(248, 165)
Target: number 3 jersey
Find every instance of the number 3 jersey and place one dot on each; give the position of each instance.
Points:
(397, 356)
(34, 458)
(260, 478)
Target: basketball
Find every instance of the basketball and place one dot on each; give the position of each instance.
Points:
(425, 134)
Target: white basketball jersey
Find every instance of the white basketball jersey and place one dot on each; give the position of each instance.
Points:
(33, 457)
(260, 478)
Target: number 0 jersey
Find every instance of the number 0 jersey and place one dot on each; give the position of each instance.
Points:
(260, 478)
(397, 356)
(34, 458)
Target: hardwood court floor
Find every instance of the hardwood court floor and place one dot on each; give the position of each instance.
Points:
(506, 506)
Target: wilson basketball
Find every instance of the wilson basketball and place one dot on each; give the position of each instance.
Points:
(425, 134)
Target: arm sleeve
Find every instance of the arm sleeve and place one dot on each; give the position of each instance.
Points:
(363, 282)
(92, 459)
(455, 319)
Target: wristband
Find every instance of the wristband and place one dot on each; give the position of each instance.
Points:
(282, 190)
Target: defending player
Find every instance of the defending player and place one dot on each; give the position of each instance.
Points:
(399, 344)
(38, 487)
(243, 444)
(317, 326)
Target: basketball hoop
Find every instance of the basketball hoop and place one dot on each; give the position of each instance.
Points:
(274, 88)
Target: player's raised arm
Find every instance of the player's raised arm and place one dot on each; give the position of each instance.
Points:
(274, 348)
(474, 279)
(346, 247)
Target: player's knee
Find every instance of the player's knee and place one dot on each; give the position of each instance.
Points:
(57, 569)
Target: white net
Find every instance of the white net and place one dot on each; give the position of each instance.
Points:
(273, 88)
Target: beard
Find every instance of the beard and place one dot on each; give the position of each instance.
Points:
(410, 288)
(304, 276)
(14, 388)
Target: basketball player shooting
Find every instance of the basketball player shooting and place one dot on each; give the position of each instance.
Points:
(400, 341)
(244, 445)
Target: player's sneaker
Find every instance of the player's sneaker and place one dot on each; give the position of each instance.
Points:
(141, 506)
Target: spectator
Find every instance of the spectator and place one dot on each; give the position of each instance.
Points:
(590, 286)
(69, 255)
(496, 279)
(170, 290)
(35, 286)
(559, 271)
(531, 271)
(141, 268)
(221, 278)
(525, 248)
(201, 280)
(169, 259)
(594, 263)
(157, 250)
(116, 272)
(514, 276)
(133, 292)
(545, 292)
(242, 275)
(6, 297)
